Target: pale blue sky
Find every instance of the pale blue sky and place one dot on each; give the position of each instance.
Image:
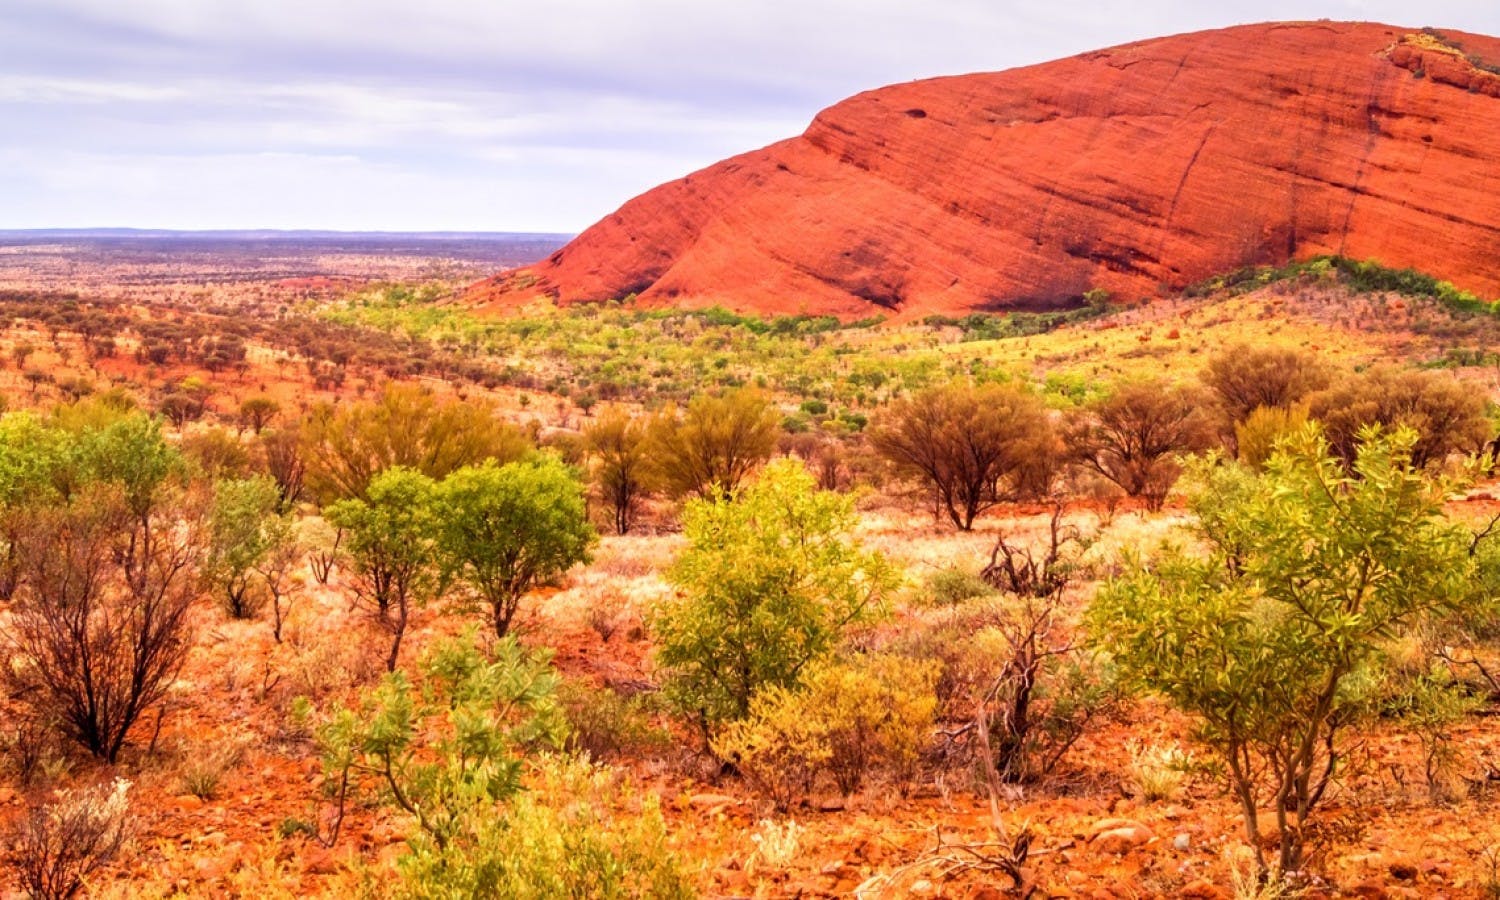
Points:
(486, 114)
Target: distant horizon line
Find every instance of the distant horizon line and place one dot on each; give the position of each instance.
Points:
(276, 232)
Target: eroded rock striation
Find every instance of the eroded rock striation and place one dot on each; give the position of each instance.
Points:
(1138, 170)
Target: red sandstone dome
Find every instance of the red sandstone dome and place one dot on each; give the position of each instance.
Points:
(1138, 169)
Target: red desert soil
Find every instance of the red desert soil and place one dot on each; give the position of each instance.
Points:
(1136, 169)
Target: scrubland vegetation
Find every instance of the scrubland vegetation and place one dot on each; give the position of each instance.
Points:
(615, 603)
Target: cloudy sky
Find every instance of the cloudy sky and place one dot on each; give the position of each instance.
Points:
(487, 114)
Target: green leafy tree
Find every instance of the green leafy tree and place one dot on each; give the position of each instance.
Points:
(244, 530)
(31, 455)
(392, 547)
(768, 583)
(716, 442)
(131, 453)
(1274, 635)
(505, 529)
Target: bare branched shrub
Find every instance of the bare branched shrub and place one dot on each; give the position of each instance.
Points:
(59, 844)
(1017, 568)
(92, 648)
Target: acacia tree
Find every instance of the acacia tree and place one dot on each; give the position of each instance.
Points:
(716, 442)
(1133, 436)
(392, 548)
(131, 453)
(505, 529)
(345, 447)
(244, 530)
(617, 445)
(972, 445)
(1446, 415)
(769, 581)
(1245, 378)
(1273, 638)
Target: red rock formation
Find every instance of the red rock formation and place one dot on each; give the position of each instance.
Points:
(1138, 169)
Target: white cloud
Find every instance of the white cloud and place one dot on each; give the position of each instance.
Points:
(535, 115)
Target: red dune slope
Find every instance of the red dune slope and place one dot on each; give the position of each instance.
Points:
(1138, 169)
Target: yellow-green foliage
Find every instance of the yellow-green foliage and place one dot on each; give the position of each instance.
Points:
(848, 719)
(577, 832)
(1263, 429)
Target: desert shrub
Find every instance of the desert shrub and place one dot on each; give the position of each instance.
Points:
(768, 583)
(446, 753)
(346, 447)
(972, 445)
(94, 644)
(1013, 690)
(243, 533)
(776, 748)
(1256, 437)
(1246, 378)
(847, 719)
(58, 845)
(1018, 568)
(1134, 435)
(1158, 772)
(620, 465)
(578, 832)
(391, 547)
(449, 755)
(1446, 415)
(282, 458)
(216, 453)
(1273, 637)
(605, 723)
(1040, 690)
(951, 585)
(713, 445)
(877, 713)
(503, 530)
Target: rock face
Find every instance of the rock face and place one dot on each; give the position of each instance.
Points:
(1138, 170)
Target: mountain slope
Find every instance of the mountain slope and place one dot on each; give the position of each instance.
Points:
(1138, 169)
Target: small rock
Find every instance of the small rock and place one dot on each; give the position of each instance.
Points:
(1182, 842)
(700, 801)
(1120, 836)
(1369, 888)
(1403, 870)
(187, 802)
(831, 804)
(1203, 889)
(921, 887)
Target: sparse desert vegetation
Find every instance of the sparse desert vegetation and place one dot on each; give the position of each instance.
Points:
(364, 593)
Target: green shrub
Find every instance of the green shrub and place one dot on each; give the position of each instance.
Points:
(1273, 638)
(446, 752)
(1265, 427)
(577, 832)
(847, 720)
(768, 583)
(951, 585)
